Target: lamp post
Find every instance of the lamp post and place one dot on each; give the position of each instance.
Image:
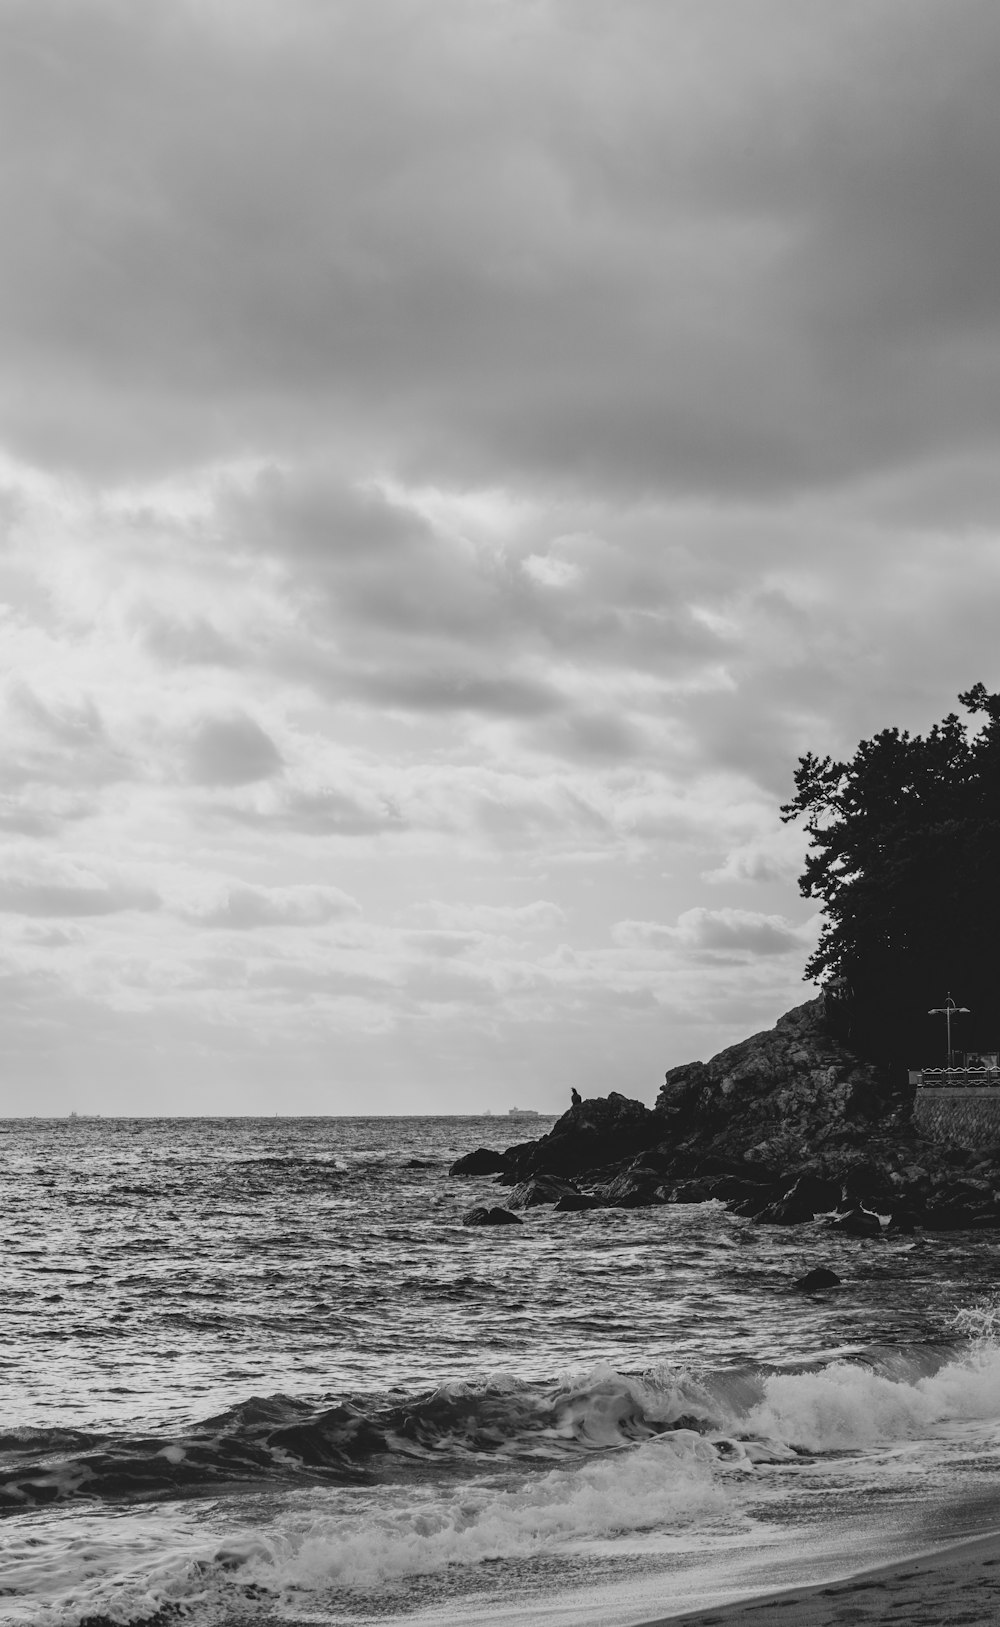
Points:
(948, 1010)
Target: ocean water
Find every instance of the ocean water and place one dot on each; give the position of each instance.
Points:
(257, 1370)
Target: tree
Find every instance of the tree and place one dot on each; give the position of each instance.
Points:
(905, 857)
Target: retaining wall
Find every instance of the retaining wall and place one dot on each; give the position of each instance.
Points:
(968, 1116)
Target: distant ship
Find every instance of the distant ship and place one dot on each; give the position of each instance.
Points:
(522, 1113)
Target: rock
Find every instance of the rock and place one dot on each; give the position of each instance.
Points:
(818, 1278)
(807, 1197)
(786, 1212)
(541, 1189)
(819, 1193)
(959, 1217)
(857, 1223)
(576, 1200)
(732, 1190)
(791, 1093)
(633, 1189)
(691, 1192)
(481, 1216)
(863, 1178)
(484, 1161)
(592, 1134)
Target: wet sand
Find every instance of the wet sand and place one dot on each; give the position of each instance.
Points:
(956, 1585)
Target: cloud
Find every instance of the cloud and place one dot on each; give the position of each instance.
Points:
(323, 810)
(67, 890)
(59, 741)
(721, 931)
(513, 920)
(506, 695)
(668, 278)
(189, 642)
(243, 907)
(232, 750)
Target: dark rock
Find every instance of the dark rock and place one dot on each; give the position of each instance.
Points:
(576, 1200)
(807, 1197)
(481, 1216)
(732, 1190)
(818, 1278)
(599, 1131)
(817, 1192)
(541, 1189)
(420, 1163)
(691, 1192)
(786, 1212)
(633, 1189)
(942, 1216)
(862, 1178)
(484, 1161)
(784, 1096)
(857, 1223)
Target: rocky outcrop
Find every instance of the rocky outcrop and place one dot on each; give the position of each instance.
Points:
(788, 1128)
(600, 1131)
(784, 1097)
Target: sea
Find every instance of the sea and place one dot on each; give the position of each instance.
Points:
(257, 1371)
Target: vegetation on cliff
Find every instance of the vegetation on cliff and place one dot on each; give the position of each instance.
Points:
(905, 857)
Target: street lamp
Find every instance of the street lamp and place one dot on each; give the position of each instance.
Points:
(948, 1010)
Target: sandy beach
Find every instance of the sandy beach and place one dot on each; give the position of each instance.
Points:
(958, 1584)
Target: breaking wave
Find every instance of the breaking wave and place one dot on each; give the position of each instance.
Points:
(884, 1393)
(591, 1456)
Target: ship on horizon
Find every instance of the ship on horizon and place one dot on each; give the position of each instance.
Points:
(523, 1113)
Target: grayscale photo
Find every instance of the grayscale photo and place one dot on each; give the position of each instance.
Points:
(499, 813)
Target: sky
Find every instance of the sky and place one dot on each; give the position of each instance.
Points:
(455, 456)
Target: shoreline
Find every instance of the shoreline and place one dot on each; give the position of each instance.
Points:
(958, 1582)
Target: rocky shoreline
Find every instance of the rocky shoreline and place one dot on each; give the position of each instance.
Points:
(784, 1128)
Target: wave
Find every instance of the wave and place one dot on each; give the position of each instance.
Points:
(741, 1417)
(471, 1473)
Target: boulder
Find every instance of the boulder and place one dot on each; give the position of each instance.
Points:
(632, 1189)
(481, 1216)
(573, 1201)
(484, 1161)
(691, 1192)
(816, 1279)
(540, 1189)
(857, 1223)
(817, 1192)
(785, 1212)
(807, 1197)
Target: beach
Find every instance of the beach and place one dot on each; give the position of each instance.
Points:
(957, 1584)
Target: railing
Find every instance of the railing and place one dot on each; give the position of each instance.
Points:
(959, 1078)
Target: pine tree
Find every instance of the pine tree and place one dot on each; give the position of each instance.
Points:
(905, 857)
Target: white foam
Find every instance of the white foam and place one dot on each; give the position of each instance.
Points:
(848, 1406)
(666, 1483)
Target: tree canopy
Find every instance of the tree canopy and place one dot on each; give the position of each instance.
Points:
(905, 857)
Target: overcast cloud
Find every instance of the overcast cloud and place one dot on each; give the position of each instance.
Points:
(455, 455)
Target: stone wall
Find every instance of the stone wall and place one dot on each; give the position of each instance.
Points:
(966, 1115)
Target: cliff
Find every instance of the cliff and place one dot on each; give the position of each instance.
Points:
(792, 1096)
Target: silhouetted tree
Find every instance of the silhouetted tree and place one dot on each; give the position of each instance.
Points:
(905, 856)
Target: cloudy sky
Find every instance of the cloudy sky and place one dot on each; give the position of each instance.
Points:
(455, 455)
